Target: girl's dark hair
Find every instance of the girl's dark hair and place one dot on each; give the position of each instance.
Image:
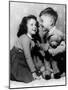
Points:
(51, 12)
(23, 25)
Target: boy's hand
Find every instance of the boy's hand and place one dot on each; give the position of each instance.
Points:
(52, 52)
(45, 46)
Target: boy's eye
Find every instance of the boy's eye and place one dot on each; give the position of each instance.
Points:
(41, 20)
(31, 24)
(42, 26)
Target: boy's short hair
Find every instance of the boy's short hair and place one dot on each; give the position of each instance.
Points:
(51, 12)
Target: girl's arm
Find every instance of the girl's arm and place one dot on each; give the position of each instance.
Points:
(27, 52)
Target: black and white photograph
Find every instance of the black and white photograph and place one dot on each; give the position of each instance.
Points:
(37, 44)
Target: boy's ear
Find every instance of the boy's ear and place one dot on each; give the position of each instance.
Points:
(52, 24)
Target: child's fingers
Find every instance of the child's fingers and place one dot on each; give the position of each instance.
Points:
(35, 76)
(50, 70)
(38, 78)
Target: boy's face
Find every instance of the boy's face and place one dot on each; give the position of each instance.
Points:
(46, 22)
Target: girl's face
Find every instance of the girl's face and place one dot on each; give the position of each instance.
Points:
(31, 26)
(46, 22)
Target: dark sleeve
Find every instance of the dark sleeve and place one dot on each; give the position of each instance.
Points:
(27, 52)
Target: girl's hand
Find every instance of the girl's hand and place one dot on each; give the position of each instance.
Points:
(42, 69)
(35, 76)
(44, 74)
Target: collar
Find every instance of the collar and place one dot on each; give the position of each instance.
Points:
(52, 30)
(29, 36)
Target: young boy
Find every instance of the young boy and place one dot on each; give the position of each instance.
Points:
(53, 43)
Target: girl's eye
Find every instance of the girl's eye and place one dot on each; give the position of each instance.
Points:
(33, 24)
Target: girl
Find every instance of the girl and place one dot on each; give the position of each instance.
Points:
(22, 67)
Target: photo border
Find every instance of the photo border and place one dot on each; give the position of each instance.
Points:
(65, 38)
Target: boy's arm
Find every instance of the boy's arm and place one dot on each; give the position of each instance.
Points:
(59, 49)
